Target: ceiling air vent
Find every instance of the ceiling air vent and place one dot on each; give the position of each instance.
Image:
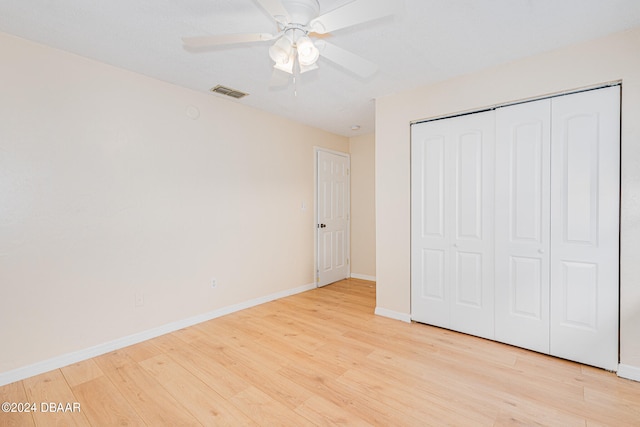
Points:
(223, 90)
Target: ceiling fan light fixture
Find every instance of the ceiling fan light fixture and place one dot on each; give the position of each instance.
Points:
(287, 66)
(282, 51)
(308, 54)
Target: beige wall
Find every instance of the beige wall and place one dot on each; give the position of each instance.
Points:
(108, 188)
(363, 219)
(612, 58)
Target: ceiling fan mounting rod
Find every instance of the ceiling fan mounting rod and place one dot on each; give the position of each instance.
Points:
(294, 31)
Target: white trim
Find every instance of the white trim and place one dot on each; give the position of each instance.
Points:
(393, 314)
(629, 372)
(317, 148)
(363, 277)
(88, 353)
(316, 271)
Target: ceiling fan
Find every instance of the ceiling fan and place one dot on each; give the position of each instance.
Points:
(298, 21)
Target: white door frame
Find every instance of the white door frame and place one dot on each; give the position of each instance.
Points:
(316, 215)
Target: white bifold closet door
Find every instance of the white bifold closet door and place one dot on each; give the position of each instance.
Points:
(585, 218)
(523, 217)
(554, 205)
(452, 222)
(557, 209)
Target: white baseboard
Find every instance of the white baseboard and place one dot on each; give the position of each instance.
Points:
(393, 314)
(363, 277)
(78, 356)
(629, 372)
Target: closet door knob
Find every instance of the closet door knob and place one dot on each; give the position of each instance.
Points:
(540, 251)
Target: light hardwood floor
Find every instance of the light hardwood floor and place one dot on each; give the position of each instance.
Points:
(323, 358)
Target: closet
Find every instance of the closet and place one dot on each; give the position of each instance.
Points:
(515, 219)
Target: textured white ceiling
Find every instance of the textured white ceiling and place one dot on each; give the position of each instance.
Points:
(426, 41)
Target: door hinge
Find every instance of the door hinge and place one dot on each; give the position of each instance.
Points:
(347, 261)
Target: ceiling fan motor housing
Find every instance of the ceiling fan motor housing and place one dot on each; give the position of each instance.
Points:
(302, 11)
(294, 37)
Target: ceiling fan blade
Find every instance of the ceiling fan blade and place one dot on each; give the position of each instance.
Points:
(207, 41)
(276, 9)
(352, 62)
(352, 13)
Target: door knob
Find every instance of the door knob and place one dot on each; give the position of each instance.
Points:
(540, 251)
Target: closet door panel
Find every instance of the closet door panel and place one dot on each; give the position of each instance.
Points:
(579, 143)
(468, 279)
(526, 294)
(469, 189)
(452, 234)
(523, 138)
(473, 141)
(585, 167)
(434, 272)
(430, 266)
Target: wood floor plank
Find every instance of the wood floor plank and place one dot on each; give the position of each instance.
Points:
(81, 372)
(321, 412)
(142, 351)
(266, 411)
(103, 404)
(608, 407)
(259, 366)
(14, 393)
(360, 405)
(283, 345)
(56, 403)
(198, 398)
(149, 399)
(209, 370)
(489, 386)
(323, 358)
(608, 382)
(434, 384)
(408, 401)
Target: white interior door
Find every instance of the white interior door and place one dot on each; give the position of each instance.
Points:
(523, 137)
(332, 217)
(585, 198)
(452, 219)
